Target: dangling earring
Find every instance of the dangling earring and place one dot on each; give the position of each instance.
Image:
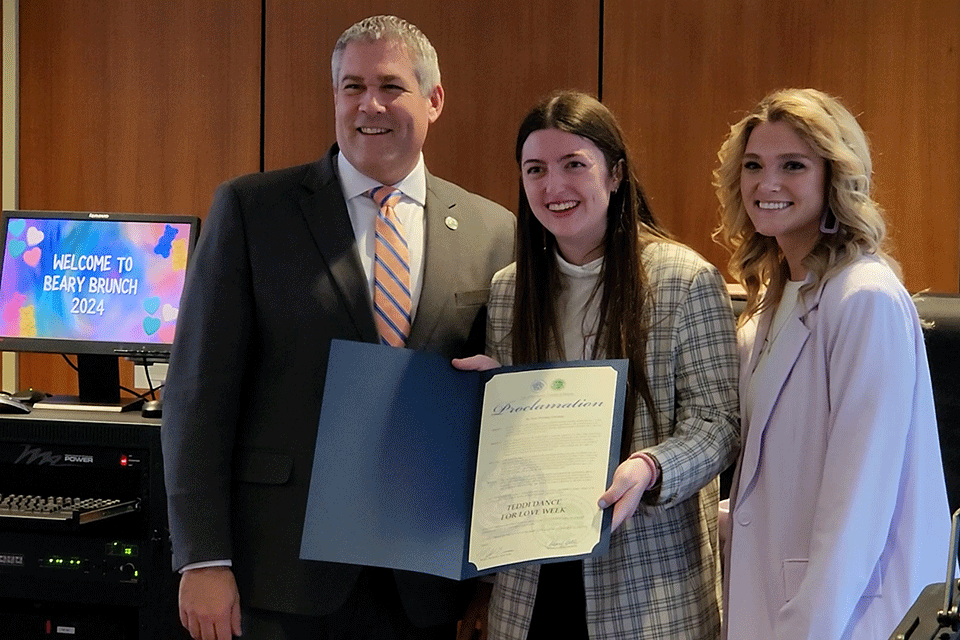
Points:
(823, 222)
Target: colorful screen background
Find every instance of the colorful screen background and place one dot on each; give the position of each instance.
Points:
(156, 253)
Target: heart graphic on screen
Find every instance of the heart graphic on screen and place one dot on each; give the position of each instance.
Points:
(34, 236)
(16, 227)
(16, 247)
(169, 313)
(150, 325)
(32, 257)
(151, 305)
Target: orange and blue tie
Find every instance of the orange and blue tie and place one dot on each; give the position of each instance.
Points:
(391, 271)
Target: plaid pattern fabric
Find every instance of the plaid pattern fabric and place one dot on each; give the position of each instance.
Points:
(661, 577)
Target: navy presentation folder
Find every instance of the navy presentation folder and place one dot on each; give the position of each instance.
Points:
(395, 460)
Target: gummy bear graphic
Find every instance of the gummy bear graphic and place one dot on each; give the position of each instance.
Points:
(150, 305)
(28, 321)
(32, 256)
(165, 241)
(16, 248)
(34, 236)
(179, 253)
(150, 325)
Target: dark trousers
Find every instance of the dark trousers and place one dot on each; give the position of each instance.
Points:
(372, 612)
(560, 610)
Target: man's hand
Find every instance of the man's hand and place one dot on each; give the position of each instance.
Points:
(210, 603)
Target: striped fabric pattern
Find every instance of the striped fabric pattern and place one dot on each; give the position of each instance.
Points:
(391, 288)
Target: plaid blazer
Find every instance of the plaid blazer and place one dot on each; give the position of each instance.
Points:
(661, 576)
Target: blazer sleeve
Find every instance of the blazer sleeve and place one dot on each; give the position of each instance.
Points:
(704, 437)
(500, 315)
(201, 396)
(873, 364)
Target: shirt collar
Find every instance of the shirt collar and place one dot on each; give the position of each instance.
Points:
(589, 270)
(354, 183)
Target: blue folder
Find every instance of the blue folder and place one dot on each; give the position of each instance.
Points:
(395, 460)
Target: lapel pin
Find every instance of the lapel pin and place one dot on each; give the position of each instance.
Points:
(451, 223)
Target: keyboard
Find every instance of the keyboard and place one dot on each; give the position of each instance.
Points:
(62, 509)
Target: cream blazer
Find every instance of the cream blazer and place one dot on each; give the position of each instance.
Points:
(839, 512)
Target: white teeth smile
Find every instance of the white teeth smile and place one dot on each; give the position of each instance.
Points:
(373, 130)
(773, 205)
(562, 206)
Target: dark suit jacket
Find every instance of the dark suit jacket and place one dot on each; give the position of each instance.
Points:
(275, 276)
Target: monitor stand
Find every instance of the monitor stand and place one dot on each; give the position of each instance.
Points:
(99, 382)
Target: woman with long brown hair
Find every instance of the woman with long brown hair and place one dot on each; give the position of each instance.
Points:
(597, 277)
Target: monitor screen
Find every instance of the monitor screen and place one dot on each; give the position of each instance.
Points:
(92, 283)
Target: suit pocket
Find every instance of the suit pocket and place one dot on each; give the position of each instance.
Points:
(260, 466)
(472, 298)
(793, 574)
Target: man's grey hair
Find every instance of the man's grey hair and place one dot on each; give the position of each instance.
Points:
(421, 52)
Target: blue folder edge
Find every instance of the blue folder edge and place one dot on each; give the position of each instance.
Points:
(395, 460)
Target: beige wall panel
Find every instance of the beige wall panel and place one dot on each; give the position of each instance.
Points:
(679, 73)
(496, 59)
(133, 106)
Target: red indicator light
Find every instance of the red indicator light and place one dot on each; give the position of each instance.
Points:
(123, 460)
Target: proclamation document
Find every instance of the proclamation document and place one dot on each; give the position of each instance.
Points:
(542, 462)
(460, 473)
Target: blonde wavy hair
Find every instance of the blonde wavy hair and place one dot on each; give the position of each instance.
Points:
(834, 134)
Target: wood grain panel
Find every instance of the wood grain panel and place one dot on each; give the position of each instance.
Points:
(679, 73)
(497, 59)
(137, 107)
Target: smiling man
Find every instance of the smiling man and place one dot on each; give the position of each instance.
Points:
(287, 261)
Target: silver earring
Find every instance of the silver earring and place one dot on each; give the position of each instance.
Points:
(823, 223)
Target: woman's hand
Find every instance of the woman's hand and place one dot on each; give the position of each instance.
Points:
(631, 479)
(475, 363)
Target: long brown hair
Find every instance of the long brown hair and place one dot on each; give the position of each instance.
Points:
(625, 298)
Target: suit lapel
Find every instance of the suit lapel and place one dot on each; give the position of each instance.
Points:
(441, 248)
(768, 387)
(325, 213)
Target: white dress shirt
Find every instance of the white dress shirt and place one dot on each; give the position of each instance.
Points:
(363, 216)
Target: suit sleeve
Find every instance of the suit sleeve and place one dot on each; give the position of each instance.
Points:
(202, 393)
(704, 437)
(872, 365)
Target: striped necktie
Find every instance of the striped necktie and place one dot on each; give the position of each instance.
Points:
(391, 271)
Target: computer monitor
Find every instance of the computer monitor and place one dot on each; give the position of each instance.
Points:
(99, 285)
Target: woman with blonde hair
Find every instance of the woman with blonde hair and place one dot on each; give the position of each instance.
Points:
(838, 510)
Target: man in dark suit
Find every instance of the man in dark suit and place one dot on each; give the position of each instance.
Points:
(285, 264)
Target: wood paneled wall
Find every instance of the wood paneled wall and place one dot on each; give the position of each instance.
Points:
(135, 107)
(679, 73)
(146, 106)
